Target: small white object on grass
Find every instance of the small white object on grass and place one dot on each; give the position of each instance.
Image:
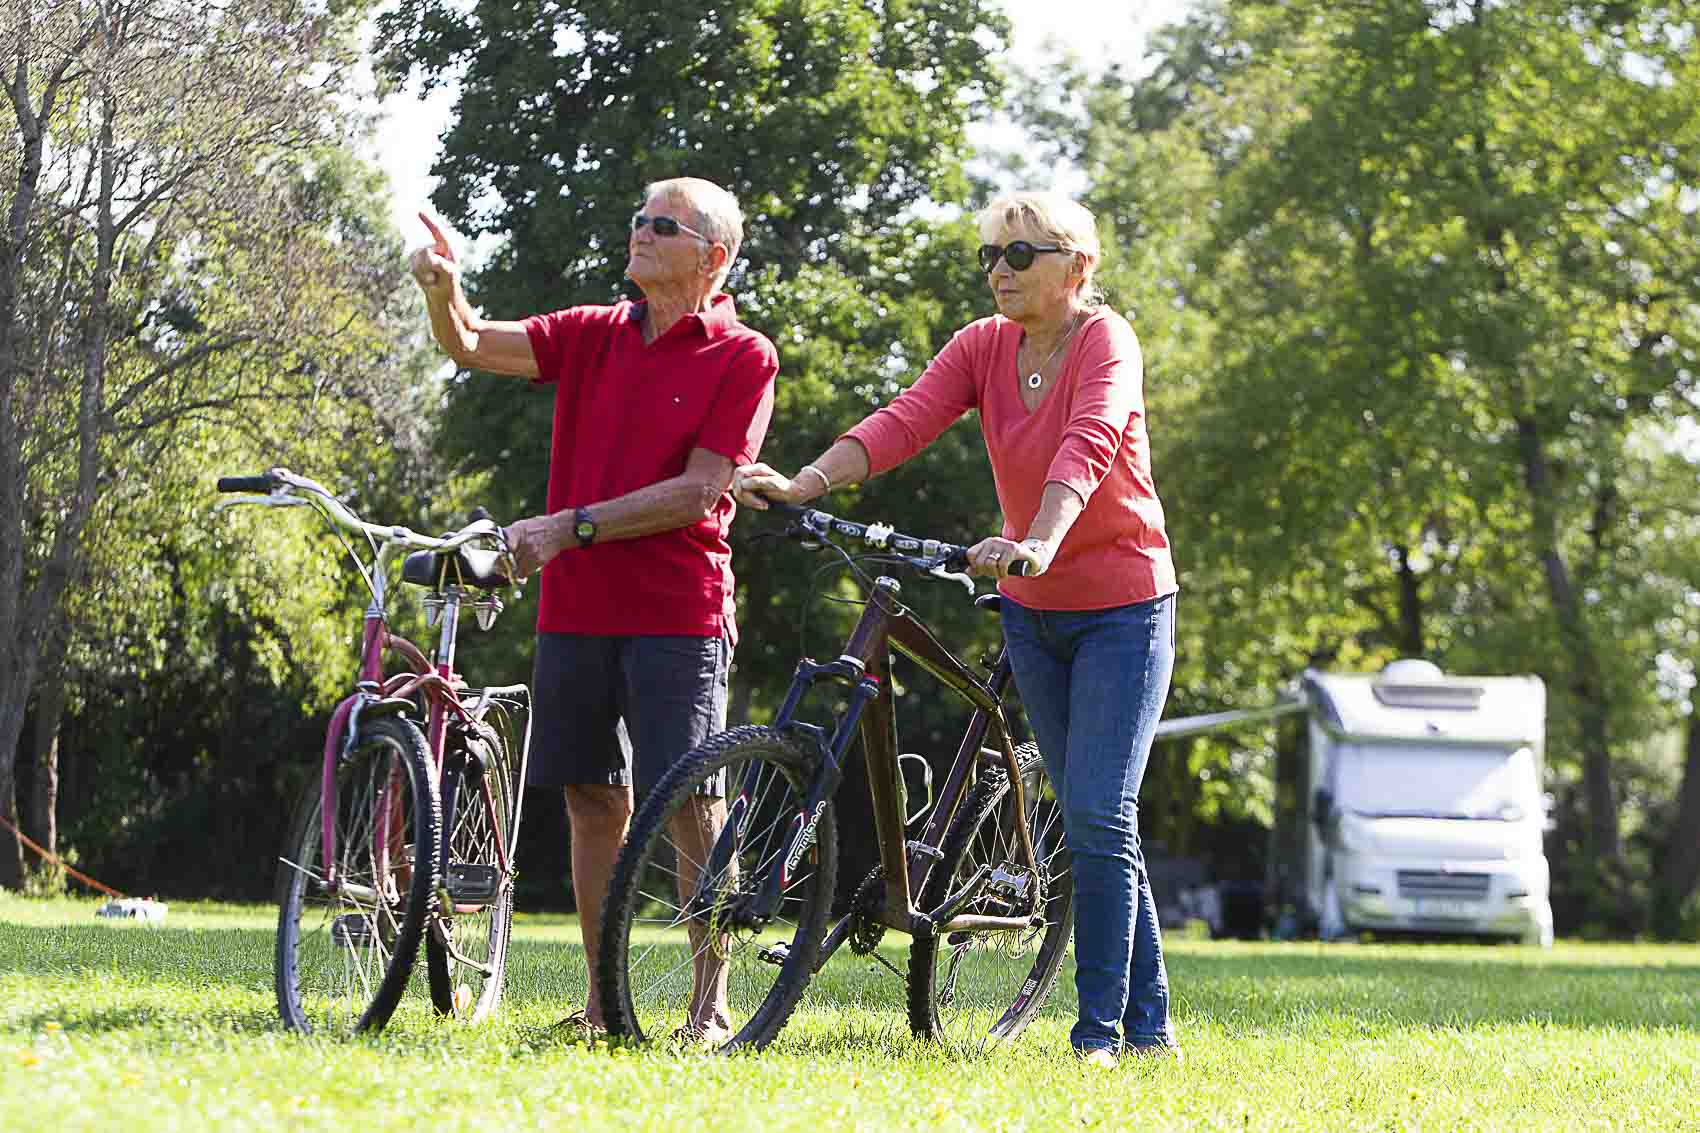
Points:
(134, 908)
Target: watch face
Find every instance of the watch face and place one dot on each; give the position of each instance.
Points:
(585, 529)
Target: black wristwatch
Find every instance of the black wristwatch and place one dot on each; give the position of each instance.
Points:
(584, 527)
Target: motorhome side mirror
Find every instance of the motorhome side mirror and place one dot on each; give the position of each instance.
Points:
(1321, 805)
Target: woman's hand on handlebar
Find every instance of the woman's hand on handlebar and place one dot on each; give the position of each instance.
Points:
(996, 558)
(754, 485)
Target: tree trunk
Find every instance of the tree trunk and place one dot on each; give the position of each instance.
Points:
(1410, 607)
(49, 711)
(11, 848)
(14, 659)
(1678, 872)
(1587, 683)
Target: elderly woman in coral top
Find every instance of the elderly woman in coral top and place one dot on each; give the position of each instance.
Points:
(1058, 383)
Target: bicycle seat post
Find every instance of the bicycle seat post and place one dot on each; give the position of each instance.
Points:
(449, 630)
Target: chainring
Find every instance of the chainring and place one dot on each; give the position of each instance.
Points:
(866, 929)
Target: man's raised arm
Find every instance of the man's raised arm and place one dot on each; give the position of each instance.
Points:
(473, 342)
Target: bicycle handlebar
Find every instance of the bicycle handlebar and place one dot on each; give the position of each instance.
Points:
(245, 483)
(280, 484)
(924, 554)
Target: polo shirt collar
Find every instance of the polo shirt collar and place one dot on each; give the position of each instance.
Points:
(721, 316)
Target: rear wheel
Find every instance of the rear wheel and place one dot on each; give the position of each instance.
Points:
(466, 951)
(726, 820)
(349, 928)
(975, 988)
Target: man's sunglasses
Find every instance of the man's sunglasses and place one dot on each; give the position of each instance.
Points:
(666, 226)
(1019, 254)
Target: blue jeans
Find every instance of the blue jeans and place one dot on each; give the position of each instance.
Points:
(1093, 683)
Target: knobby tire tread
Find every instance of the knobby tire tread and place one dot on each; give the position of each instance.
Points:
(651, 822)
(981, 806)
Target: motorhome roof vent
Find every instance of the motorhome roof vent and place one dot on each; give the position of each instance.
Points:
(1408, 669)
(1411, 682)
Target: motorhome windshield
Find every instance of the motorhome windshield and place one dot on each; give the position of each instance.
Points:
(1422, 781)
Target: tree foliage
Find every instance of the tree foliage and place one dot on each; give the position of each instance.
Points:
(1427, 277)
(182, 279)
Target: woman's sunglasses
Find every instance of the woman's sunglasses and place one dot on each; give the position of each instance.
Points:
(1019, 254)
(666, 226)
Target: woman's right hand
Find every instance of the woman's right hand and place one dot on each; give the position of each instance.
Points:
(754, 485)
(434, 266)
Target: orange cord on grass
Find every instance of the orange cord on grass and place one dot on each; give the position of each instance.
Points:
(60, 862)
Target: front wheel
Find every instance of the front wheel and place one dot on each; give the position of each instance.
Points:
(466, 951)
(977, 988)
(349, 922)
(682, 924)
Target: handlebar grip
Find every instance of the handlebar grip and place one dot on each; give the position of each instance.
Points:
(262, 483)
(1019, 568)
(478, 513)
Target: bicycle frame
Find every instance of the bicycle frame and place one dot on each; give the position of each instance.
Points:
(440, 686)
(863, 667)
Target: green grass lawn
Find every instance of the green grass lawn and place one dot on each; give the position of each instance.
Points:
(117, 1025)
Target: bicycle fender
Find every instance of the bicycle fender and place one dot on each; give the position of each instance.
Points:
(388, 706)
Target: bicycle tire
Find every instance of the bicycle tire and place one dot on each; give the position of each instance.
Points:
(1008, 973)
(478, 928)
(343, 958)
(644, 989)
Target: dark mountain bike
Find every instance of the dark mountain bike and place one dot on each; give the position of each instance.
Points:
(408, 831)
(984, 892)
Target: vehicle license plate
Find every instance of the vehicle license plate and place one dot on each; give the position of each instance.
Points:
(1442, 909)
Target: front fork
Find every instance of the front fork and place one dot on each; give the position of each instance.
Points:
(805, 821)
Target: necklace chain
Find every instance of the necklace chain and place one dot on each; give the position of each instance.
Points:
(1036, 378)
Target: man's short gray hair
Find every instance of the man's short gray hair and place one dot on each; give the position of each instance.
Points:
(718, 216)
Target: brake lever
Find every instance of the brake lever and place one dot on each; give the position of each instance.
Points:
(937, 571)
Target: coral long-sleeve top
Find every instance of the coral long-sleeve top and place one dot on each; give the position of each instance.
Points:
(1087, 433)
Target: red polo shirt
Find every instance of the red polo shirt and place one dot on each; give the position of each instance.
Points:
(628, 415)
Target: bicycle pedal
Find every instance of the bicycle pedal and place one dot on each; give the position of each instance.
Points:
(472, 883)
(351, 930)
(775, 954)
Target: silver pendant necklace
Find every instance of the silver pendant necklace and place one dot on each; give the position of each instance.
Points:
(1034, 380)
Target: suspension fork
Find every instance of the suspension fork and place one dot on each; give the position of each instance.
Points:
(860, 667)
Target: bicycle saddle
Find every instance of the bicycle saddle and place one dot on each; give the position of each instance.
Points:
(466, 565)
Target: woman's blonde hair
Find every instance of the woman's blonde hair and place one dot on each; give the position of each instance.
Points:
(1056, 218)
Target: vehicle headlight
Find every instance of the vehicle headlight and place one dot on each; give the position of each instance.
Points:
(1354, 835)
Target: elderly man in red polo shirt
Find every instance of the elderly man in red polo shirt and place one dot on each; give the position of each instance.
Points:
(655, 403)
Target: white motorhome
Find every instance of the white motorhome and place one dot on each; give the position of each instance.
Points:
(1420, 805)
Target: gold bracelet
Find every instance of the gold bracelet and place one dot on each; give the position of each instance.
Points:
(826, 481)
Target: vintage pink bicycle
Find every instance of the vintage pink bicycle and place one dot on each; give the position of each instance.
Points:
(408, 832)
